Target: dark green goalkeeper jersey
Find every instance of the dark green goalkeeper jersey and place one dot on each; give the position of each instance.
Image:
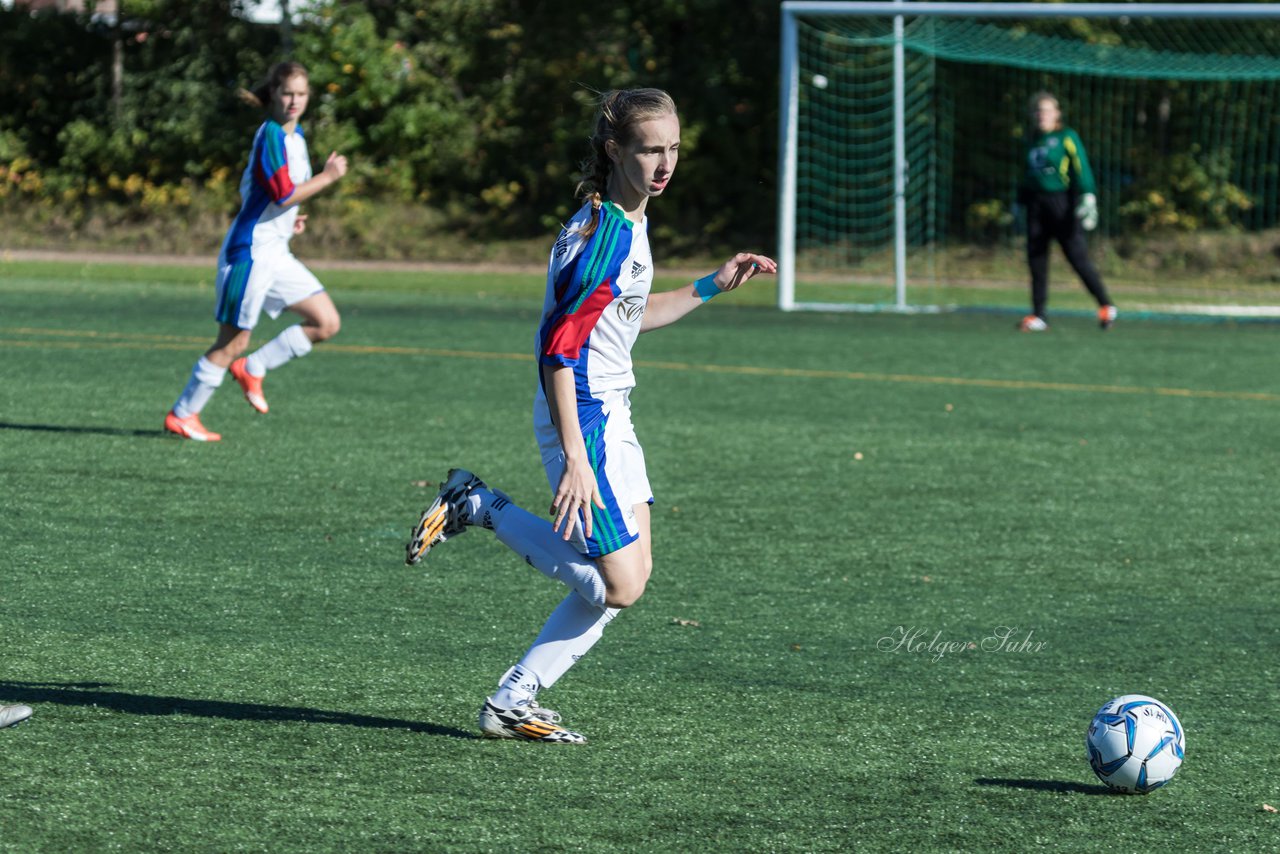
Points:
(1056, 162)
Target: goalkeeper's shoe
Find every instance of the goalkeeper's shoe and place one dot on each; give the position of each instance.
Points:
(1033, 323)
(526, 724)
(1106, 316)
(13, 715)
(190, 428)
(252, 385)
(447, 516)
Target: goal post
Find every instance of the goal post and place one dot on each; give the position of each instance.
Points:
(877, 130)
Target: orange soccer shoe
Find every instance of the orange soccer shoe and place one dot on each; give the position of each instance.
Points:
(1106, 316)
(190, 428)
(252, 385)
(1033, 323)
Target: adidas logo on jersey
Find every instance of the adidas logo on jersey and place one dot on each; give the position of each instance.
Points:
(636, 269)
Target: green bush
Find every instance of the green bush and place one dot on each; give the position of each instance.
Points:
(477, 109)
(1187, 191)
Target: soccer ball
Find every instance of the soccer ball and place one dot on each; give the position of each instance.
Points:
(1135, 744)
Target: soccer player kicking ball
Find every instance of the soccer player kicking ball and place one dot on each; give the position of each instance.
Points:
(597, 301)
(256, 270)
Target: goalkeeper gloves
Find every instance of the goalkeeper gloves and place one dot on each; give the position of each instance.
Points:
(1087, 211)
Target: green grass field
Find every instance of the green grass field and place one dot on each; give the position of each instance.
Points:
(226, 653)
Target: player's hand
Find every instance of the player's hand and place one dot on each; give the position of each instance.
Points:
(576, 492)
(300, 224)
(336, 166)
(742, 268)
(1087, 211)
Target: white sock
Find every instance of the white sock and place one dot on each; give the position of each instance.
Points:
(542, 548)
(517, 687)
(571, 630)
(205, 379)
(292, 343)
(485, 507)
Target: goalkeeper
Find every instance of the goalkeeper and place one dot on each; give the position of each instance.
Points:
(1059, 195)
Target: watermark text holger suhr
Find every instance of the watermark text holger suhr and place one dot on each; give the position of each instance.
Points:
(921, 641)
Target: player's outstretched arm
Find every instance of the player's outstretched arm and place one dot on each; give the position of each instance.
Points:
(669, 306)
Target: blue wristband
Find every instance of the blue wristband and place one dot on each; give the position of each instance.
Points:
(706, 287)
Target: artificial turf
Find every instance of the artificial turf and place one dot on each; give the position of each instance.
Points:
(225, 651)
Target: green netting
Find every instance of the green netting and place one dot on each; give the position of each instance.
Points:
(1181, 120)
(847, 179)
(1015, 46)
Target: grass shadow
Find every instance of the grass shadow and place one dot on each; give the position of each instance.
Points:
(92, 694)
(1059, 786)
(64, 428)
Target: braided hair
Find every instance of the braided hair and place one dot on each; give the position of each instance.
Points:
(280, 73)
(616, 118)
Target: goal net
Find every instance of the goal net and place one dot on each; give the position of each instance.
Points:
(902, 137)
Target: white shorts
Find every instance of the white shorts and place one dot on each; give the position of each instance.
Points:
(269, 283)
(618, 462)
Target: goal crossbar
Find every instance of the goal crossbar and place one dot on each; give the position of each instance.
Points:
(885, 8)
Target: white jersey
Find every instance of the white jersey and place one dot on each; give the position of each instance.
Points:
(278, 163)
(256, 270)
(597, 291)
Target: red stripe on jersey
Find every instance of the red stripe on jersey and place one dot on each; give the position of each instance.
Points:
(279, 186)
(271, 162)
(572, 330)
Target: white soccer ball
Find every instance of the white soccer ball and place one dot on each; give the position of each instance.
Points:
(1135, 744)
(820, 81)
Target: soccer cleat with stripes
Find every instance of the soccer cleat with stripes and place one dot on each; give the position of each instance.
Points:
(1033, 323)
(251, 385)
(1106, 316)
(551, 716)
(190, 428)
(447, 516)
(13, 715)
(526, 725)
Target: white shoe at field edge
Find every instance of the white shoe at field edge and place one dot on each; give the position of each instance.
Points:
(13, 715)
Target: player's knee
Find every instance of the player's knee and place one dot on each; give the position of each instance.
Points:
(328, 326)
(624, 595)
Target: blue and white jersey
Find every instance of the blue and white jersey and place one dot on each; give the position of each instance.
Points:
(597, 290)
(278, 163)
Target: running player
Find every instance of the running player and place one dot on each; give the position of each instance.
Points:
(256, 270)
(1061, 203)
(597, 301)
